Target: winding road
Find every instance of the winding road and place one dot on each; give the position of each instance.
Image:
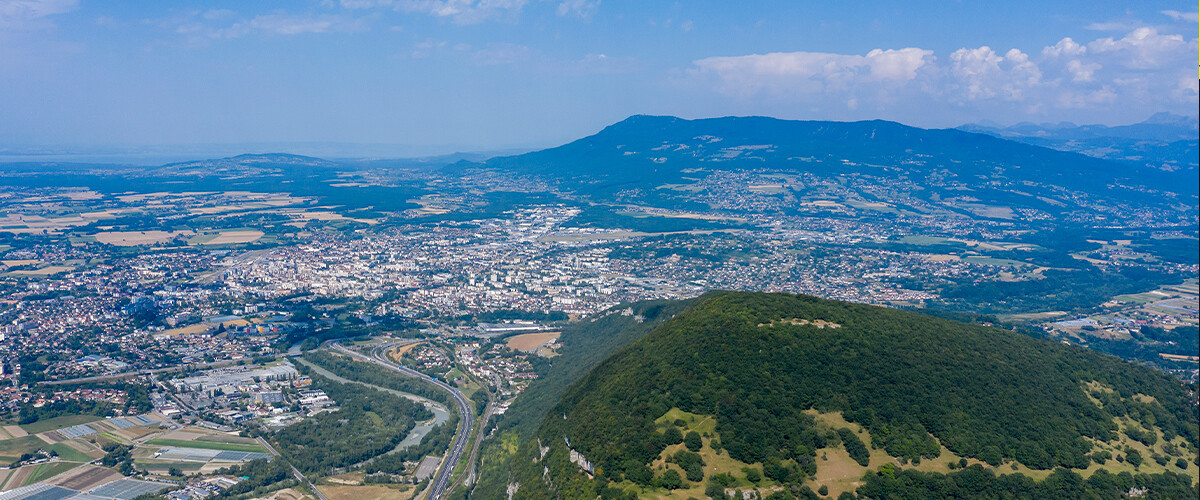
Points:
(441, 480)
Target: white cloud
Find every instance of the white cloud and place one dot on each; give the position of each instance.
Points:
(1081, 71)
(29, 13)
(807, 72)
(1142, 48)
(1182, 16)
(1114, 26)
(983, 74)
(458, 11)
(269, 24)
(578, 8)
(1065, 47)
(1143, 69)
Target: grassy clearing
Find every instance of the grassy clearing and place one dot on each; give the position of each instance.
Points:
(55, 423)
(206, 445)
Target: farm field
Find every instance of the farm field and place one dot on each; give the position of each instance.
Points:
(66, 452)
(55, 423)
(529, 342)
(85, 477)
(135, 238)
(207, 445)
(365, 493)
(11, 449)
(45, 471)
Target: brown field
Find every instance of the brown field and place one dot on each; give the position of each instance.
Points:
(529, 342)
(287, 494)
(85, 477)
(15, 431)
(22, 262)
(187, 330)
(399, 352)
(134, 238)
(45, 271)
(83, 195)
(1179, 357)
(18, 477)
(364, 493)
(3, 477)
(187, 434)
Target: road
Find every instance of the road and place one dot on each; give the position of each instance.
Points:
(295, 472)
(441, 480)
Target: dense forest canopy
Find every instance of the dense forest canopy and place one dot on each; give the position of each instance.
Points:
(757, 361)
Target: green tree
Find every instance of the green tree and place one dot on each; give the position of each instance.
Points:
(692, 441)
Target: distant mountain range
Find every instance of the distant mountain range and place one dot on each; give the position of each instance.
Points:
(1167, 141)
(643, 156)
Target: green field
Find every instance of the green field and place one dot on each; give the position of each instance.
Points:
(10, 449)
(69, 454)
(58, 423)
(207, 445)
(48, 470)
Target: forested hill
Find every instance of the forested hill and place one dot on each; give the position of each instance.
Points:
(786, 381)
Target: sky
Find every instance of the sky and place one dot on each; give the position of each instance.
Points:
(461, 75)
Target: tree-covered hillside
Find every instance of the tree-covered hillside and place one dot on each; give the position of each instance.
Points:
(918, 384)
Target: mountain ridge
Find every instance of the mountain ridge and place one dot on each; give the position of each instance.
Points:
(646, 149)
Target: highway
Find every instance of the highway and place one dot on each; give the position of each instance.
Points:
(441, 480)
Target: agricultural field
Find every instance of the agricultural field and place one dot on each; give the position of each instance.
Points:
(85, 477)
(56, 423)
(367, 492)
(207, 445)
(45, 471)
(11, 449)
(529, 342)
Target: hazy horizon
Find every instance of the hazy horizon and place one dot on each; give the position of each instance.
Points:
(446, 75)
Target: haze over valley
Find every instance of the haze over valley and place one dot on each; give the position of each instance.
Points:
(559, 250)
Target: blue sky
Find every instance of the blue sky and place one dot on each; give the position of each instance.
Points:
(477, 74)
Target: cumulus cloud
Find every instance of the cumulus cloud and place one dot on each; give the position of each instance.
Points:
(814, 71)
(1143, 67)
(1142, 48)
(983, 74)
(29, 13)
(1064, 48)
